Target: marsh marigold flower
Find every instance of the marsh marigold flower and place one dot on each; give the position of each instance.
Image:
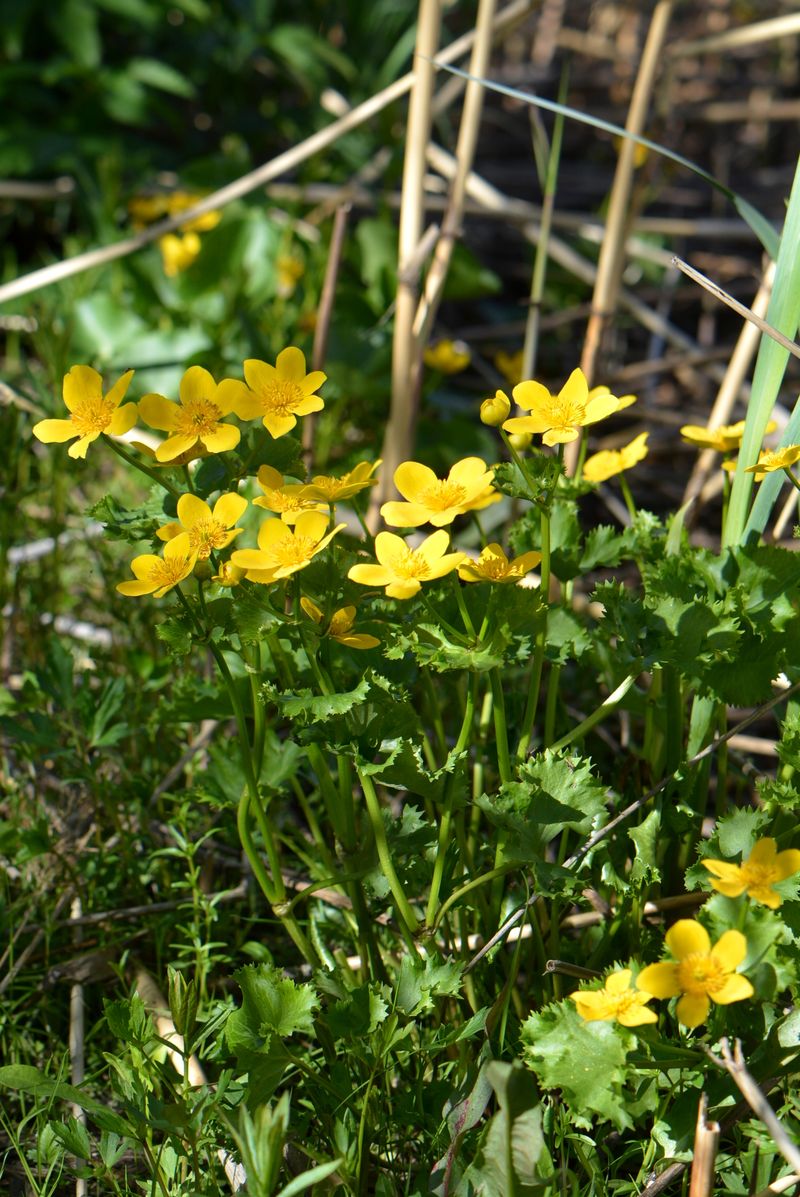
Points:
(330, 490)
(280, 393)
(726, 438)
(401, 569)
(702, 974)
(558, 417)
(757, 875)
(178, 250)
(494, 566)
(448, 357)
(286, 499)
(207, 530)
(495, 410)
(770, 461)
(616, 1001)
(468, 487)
(340, 625)
(282, 550)
(604, 465)
(196, 422)
(509, 365)
(156, 575)
(90, 411)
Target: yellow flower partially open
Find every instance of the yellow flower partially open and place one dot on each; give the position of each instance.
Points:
(90, 411)
(604, 465)
(282, 550)
(207, 530)
(776, 459)
(326, 489)
(156, 575)
(493, 566)
(286, 499)
(726, 438)
(703, 974)
(757, 875)
(196, 422)
(340, 625)
(468, 487)
(616, 1002)
(401, 569)
(280, 393)
(557, 418)
(448, 357)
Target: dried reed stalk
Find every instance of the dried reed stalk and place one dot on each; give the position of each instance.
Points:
(610, 262)
(706, 1138)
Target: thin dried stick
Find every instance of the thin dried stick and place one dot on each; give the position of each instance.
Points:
(738, 366)
(609, 265)
(735, 1066)
(760, 31)
(739, 308)
(399, 434)
(325, 309)
(706, 1138)
(77, 1057)
(282, 164)
(780, 1185)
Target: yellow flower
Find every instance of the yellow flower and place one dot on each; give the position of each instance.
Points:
(448, 357)
(494, 566)
(333, 490)
(178, 252)
(229, 575)
(401, 569)
(509, 365)
(520, 440)
(777, 459)
(282, 550)
(280, 393)
(702, 974)
(724, 439)
(615, 1001)
(196, 421)
(560, 416)
(207, 530)
(288, 270)
(623, 401)
(156, 575)
(340, 625)
(286, 499)
(495, 410)
(604, 465)
(90, 411)
(756, 875)
(468, 487)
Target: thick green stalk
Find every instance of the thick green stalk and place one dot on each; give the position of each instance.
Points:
(408, 920)
(539, 646)
(445, 826)
(605, 708)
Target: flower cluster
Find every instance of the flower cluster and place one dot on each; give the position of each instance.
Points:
(178, 250)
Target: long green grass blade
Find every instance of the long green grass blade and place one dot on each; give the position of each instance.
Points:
(783, 313)
(759, 224)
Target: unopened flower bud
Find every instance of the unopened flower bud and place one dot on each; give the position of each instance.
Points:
(520, 440)
(202, 569)
(229, 574)
(495, 411)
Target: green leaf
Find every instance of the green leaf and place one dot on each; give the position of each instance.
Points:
(74, 1136)
(75, 24)
(132, 525)
(308, 708)
(154, 73)
(360, 1013)
(272, 1004)
(419, 982)
(513, 1156)
(177, 634)
(26, 1079)
(644, 870)
(585, 1060)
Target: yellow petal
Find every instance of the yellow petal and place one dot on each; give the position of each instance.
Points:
(409, 515)
(618, 982)
(80, 384)
(370, 575)
(390, 548)
(270, 533)
(122, 419)
(158, 412)
(278, 425)
(560, 436)
(117, 392)
(197, 384)
(192, 510)
(530, 394)
(692, 1009)
(404, 589)
(412, 479)
(312, 524)
(230, 393)
(687, 937)
(660, 980)
(730, 950)
(230, 508)
(763, 853)
(223, 438)
(636, 1016)
(787, 863)
(54, 431)
(434, 546)
(291, 364)
(252, 559)
(311, 609)
(80, 447)
(174, 446)
(135, 589)
(735, 989)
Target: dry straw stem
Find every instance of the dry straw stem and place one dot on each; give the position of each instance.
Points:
(735, 1066)
(738, 366)
(731, 39)
(610, 262)
(325, 310)
(399, 433)
(76, 1039)
(282, 164)
(706, 1138)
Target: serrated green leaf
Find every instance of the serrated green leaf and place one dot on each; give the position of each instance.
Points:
(644, 870)
(74, 1136)
(419, 982)
(603, 548)
(308, 708)
(272, 1004)
(132, 525)
(585, 1060)
(177, 634)
(360, 1013)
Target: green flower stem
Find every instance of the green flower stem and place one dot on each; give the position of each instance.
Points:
(550, 704)
(466, 619)
(605, 708)
(520, 464)
(409, 922)
(792, 477)
(445, 827)
(142, 468)
(500, 727)
(188, 479)
(439, 619)
(539, 647)
(627, 496)
(469, 886)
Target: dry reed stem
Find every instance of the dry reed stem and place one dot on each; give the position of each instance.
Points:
(263, 174)
(706, 1139)
(465, 156)
(76, 1036)
(399, 432)
(785, 514)
(734, 1065)
(780, 1186)
(738, 366)
(610, 262)
(760, 31)
(325, 309)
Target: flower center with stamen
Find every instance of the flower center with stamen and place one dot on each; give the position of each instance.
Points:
(442, 495)
(701, 975)
(198, 417)
(411, 564)
(207, 535)
(757, 876)
(294, 550)
(280, 397)
(492, 567)
(93, 415)
(168, 570)
(565, 413)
